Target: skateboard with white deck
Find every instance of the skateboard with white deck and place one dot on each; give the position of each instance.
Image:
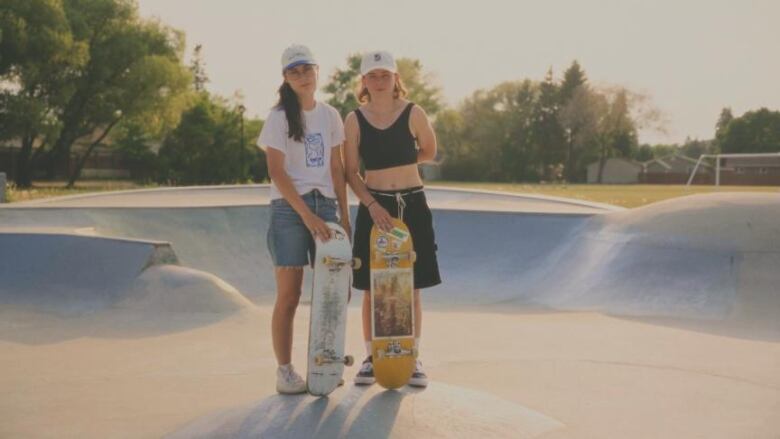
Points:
(330, 293)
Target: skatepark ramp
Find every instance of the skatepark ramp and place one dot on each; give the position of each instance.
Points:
(65, 270)
(704, 256)
(222, 230)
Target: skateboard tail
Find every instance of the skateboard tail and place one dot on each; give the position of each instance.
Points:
(394, 361)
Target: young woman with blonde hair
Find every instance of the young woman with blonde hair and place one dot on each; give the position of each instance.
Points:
(390, 136)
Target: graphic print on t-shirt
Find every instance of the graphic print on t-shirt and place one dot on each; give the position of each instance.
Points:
(315, 150)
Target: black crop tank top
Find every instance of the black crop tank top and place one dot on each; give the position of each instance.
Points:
(387, 148)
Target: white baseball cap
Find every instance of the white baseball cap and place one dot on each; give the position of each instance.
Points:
(296, 55)
(379, 59)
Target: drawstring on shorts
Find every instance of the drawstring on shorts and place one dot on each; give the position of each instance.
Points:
(399, 199)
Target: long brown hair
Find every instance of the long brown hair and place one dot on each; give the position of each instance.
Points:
(288, 101)
(399, 91)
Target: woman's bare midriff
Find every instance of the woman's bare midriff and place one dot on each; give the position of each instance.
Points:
(399, 177)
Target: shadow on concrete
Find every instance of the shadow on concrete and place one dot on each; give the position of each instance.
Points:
(303, 416)
(36, 328)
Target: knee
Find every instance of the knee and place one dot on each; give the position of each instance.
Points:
(288, 303)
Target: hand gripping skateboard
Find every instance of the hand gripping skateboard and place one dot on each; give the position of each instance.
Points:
(392, 305)
(330, 292)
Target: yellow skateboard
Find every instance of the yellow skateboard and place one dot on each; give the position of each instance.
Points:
(392, 305)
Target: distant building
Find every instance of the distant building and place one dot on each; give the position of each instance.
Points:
(616, 171)
(750, 171)
(103, 162)
(670, 164)
(751, 165)
(675, 169)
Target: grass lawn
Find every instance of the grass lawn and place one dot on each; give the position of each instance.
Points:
(619, 195)
(50, 189)
(632, 195)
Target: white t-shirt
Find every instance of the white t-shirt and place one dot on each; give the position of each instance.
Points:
(308, 162)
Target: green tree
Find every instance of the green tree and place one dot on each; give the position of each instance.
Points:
(36, 52)
(578, 118)
(134, 67)
(643, 153)
(450, 136)
(693, 148)
(603, 123)
(257, 166)
(343, 86)
(618, 134)
(205, 148)
(662, 150)
(547, 132)
(489, 136)
(724, 119)
(109, 66)
(754, 132)
(421, 86)
(133, 143)
(198, 69)
(573, 78)
(581, 118)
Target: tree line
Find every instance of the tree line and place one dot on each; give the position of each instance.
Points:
(92, 70)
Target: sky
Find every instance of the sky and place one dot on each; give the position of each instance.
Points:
(691, 57)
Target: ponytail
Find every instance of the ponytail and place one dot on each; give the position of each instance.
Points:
(288, 101)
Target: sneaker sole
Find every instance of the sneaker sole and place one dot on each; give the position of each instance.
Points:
(365, 381)
(415, 383)
(291, 392)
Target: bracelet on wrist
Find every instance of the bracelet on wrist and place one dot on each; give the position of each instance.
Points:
(369, 204)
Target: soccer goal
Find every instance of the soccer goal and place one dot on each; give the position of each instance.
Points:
(718, 158)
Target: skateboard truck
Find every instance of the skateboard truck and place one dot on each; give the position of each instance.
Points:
(329, 358)
(395, 350)
(338, 262)
(393, 259)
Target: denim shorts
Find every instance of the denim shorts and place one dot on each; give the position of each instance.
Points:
(289, 240)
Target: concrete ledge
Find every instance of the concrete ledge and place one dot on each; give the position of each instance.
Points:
(71, 272)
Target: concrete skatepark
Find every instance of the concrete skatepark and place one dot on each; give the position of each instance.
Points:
(147, 314)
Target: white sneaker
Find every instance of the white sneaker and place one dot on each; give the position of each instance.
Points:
(419, 378)
(366, 374)
(288, 381)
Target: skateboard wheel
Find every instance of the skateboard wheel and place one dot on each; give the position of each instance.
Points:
(356, 264)
(318, 360)
(349, 360)
(326, 260)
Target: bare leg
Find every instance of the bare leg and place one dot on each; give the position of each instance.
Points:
(288, 293)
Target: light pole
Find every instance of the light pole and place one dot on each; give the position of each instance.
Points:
(241, 110)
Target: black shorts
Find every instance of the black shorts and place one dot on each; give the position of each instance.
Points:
(418, 218)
